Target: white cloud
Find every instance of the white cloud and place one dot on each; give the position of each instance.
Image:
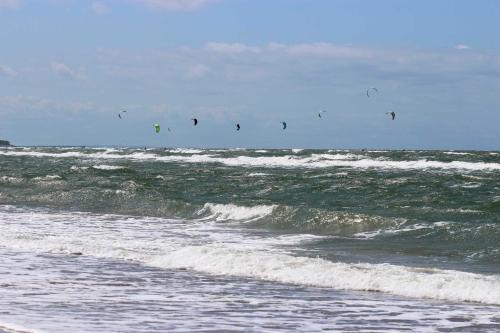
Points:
(21, 104)
(462, 47)
(197, 71)
(176, 5)
(313, 63)
(100, 8)
(231, 48)
(329, 50)
(9, 4)
(63, 70)
(305, 49)
(7, 71)
(413, 62)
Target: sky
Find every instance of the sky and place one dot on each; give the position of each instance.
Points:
(68, 67)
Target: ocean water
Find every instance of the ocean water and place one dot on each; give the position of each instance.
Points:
(157, 240)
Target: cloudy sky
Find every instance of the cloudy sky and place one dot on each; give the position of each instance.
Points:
(67, 67)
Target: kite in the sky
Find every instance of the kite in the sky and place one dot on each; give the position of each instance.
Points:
(371, 91)
(392, 113)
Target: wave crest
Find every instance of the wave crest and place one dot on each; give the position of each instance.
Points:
(230, 212)
(317, 272)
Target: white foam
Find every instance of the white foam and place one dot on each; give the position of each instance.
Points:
(288, 161)
(220, 212)
(205, 247)
(455, 153)
(451, 210)
(341, 161)
(185, 151)
(471, 185)
(78, 168)
(8, 179)
(399, 280)
(47, 177)
(465, 211)
(108, 167)
(400, 229)
(42, 154)
(111, 150)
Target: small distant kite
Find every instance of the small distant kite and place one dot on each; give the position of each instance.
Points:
(157, 128)
(238, 127)
(195, 121)
(120, 113)
(319, 114)
(284, 124)
(392, 113)
(371, 91)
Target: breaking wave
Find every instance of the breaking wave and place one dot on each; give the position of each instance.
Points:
(230, 212)
(226, 252)
(398, 280)
(286, 161)
(108, 167)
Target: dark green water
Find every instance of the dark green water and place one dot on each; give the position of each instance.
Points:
(420, 207)
(264, 240)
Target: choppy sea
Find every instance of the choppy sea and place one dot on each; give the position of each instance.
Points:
(166, 240)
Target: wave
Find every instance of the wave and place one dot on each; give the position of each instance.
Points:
(42, 154)
(347, 160)
(108, 167)
(230, 212)
(399, 230)
(11, 180)
(79, 168)
(343, 224)
(175, 244)
(451, 210)
(257, 174)
(456, 153)
(302, 219)
(398, 280)
(185, 151)
(48, 178)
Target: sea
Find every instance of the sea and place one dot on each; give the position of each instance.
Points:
(103, 239)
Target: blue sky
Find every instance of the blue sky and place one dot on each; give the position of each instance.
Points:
(67, 67)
